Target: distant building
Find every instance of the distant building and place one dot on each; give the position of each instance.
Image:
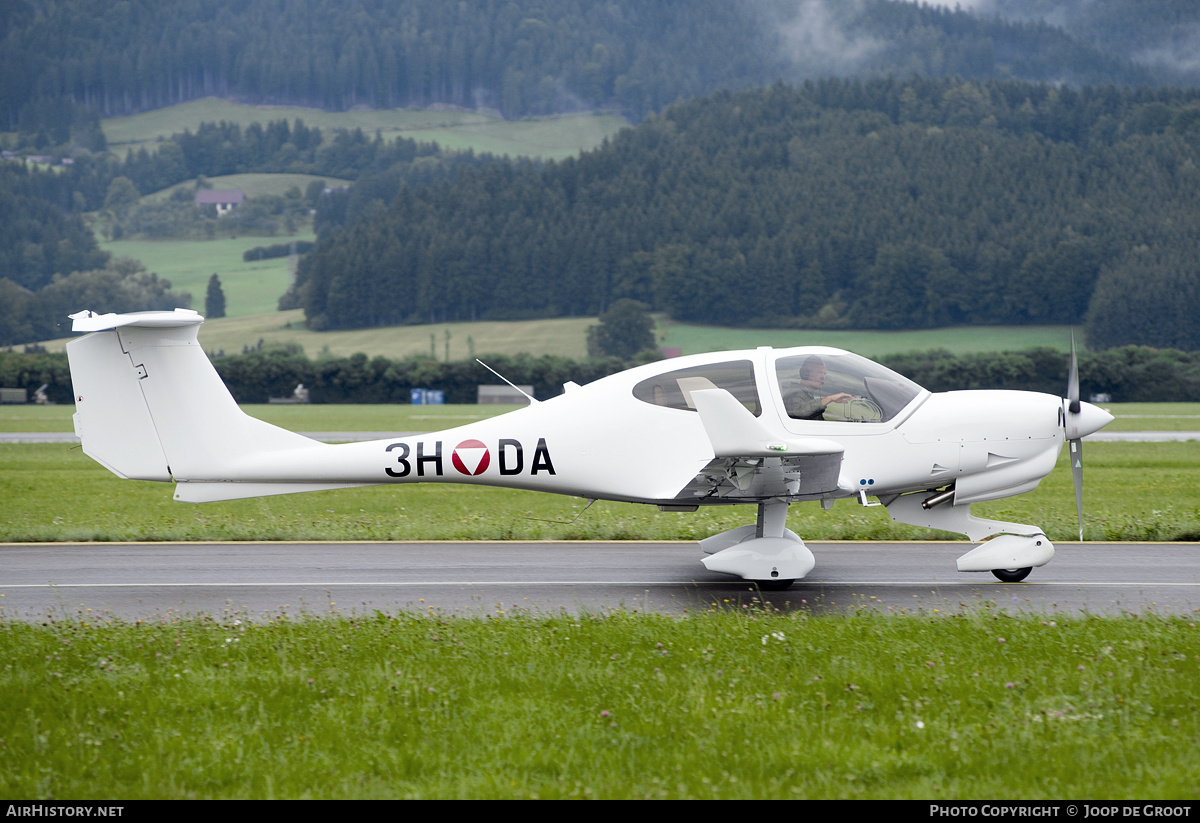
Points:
(223, 199)
(504, 394)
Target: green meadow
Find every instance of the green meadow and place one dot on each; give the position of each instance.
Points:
(252, 285)
(251, 288)
(368, 418)
(551, 138)
(254, 185)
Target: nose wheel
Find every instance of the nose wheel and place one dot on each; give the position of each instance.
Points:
(1012, 575)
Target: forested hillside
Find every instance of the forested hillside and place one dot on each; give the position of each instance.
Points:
(62, 59)
(941, 187)
(839, 204)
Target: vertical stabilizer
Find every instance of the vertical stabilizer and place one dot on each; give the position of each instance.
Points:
(151, 406)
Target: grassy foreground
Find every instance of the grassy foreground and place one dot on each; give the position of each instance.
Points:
(741, 702)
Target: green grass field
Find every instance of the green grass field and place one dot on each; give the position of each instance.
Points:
(732, 703)
(251, 289)
(369, 418)
(251, 284)
(1133, 491)
(551, 138)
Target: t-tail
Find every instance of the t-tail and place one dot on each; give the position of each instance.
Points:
(150, 406)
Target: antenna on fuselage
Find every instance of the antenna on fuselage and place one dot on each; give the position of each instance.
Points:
(532, 400)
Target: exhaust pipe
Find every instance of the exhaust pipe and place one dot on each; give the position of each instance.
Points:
(938, 499)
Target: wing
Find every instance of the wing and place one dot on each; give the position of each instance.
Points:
(750, 462)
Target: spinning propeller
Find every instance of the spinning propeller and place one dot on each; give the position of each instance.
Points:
(1079, 420)
(1071, 424)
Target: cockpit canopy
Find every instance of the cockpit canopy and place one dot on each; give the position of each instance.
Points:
(878, 394)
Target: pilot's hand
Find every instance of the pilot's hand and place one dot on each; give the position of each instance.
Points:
(836, 398)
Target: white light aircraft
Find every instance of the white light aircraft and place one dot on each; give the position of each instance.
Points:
(765, 427)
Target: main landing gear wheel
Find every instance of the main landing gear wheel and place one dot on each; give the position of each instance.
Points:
(1012, 575)
(774, 585)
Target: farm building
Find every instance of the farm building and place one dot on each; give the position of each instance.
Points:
(223, 199)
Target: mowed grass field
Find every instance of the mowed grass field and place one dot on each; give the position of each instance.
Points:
(1130, 417)
(251, 288)
(552, 138)
(1133, 491)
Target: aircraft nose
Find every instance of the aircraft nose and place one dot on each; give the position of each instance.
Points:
(1088, 420)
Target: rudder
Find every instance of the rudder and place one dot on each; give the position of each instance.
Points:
(151, 406)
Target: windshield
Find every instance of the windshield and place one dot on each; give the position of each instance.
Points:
(842, 387)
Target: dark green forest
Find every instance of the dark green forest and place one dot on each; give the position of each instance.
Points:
(879, 204)
(526, 57)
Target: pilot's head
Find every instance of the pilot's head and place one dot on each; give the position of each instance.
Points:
(812, 372)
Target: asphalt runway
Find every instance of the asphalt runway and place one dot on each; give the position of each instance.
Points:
(261, 580)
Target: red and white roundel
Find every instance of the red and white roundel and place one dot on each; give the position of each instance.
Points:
(471, 457)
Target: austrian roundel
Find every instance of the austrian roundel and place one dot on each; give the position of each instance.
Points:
(471, 457)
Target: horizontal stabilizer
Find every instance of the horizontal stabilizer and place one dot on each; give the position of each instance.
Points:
(90, 321)
(211, 492)
(735, 432)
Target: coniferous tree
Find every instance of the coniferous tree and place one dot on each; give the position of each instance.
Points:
(214, 299)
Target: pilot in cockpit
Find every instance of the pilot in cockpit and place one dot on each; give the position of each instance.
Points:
(805, 402)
